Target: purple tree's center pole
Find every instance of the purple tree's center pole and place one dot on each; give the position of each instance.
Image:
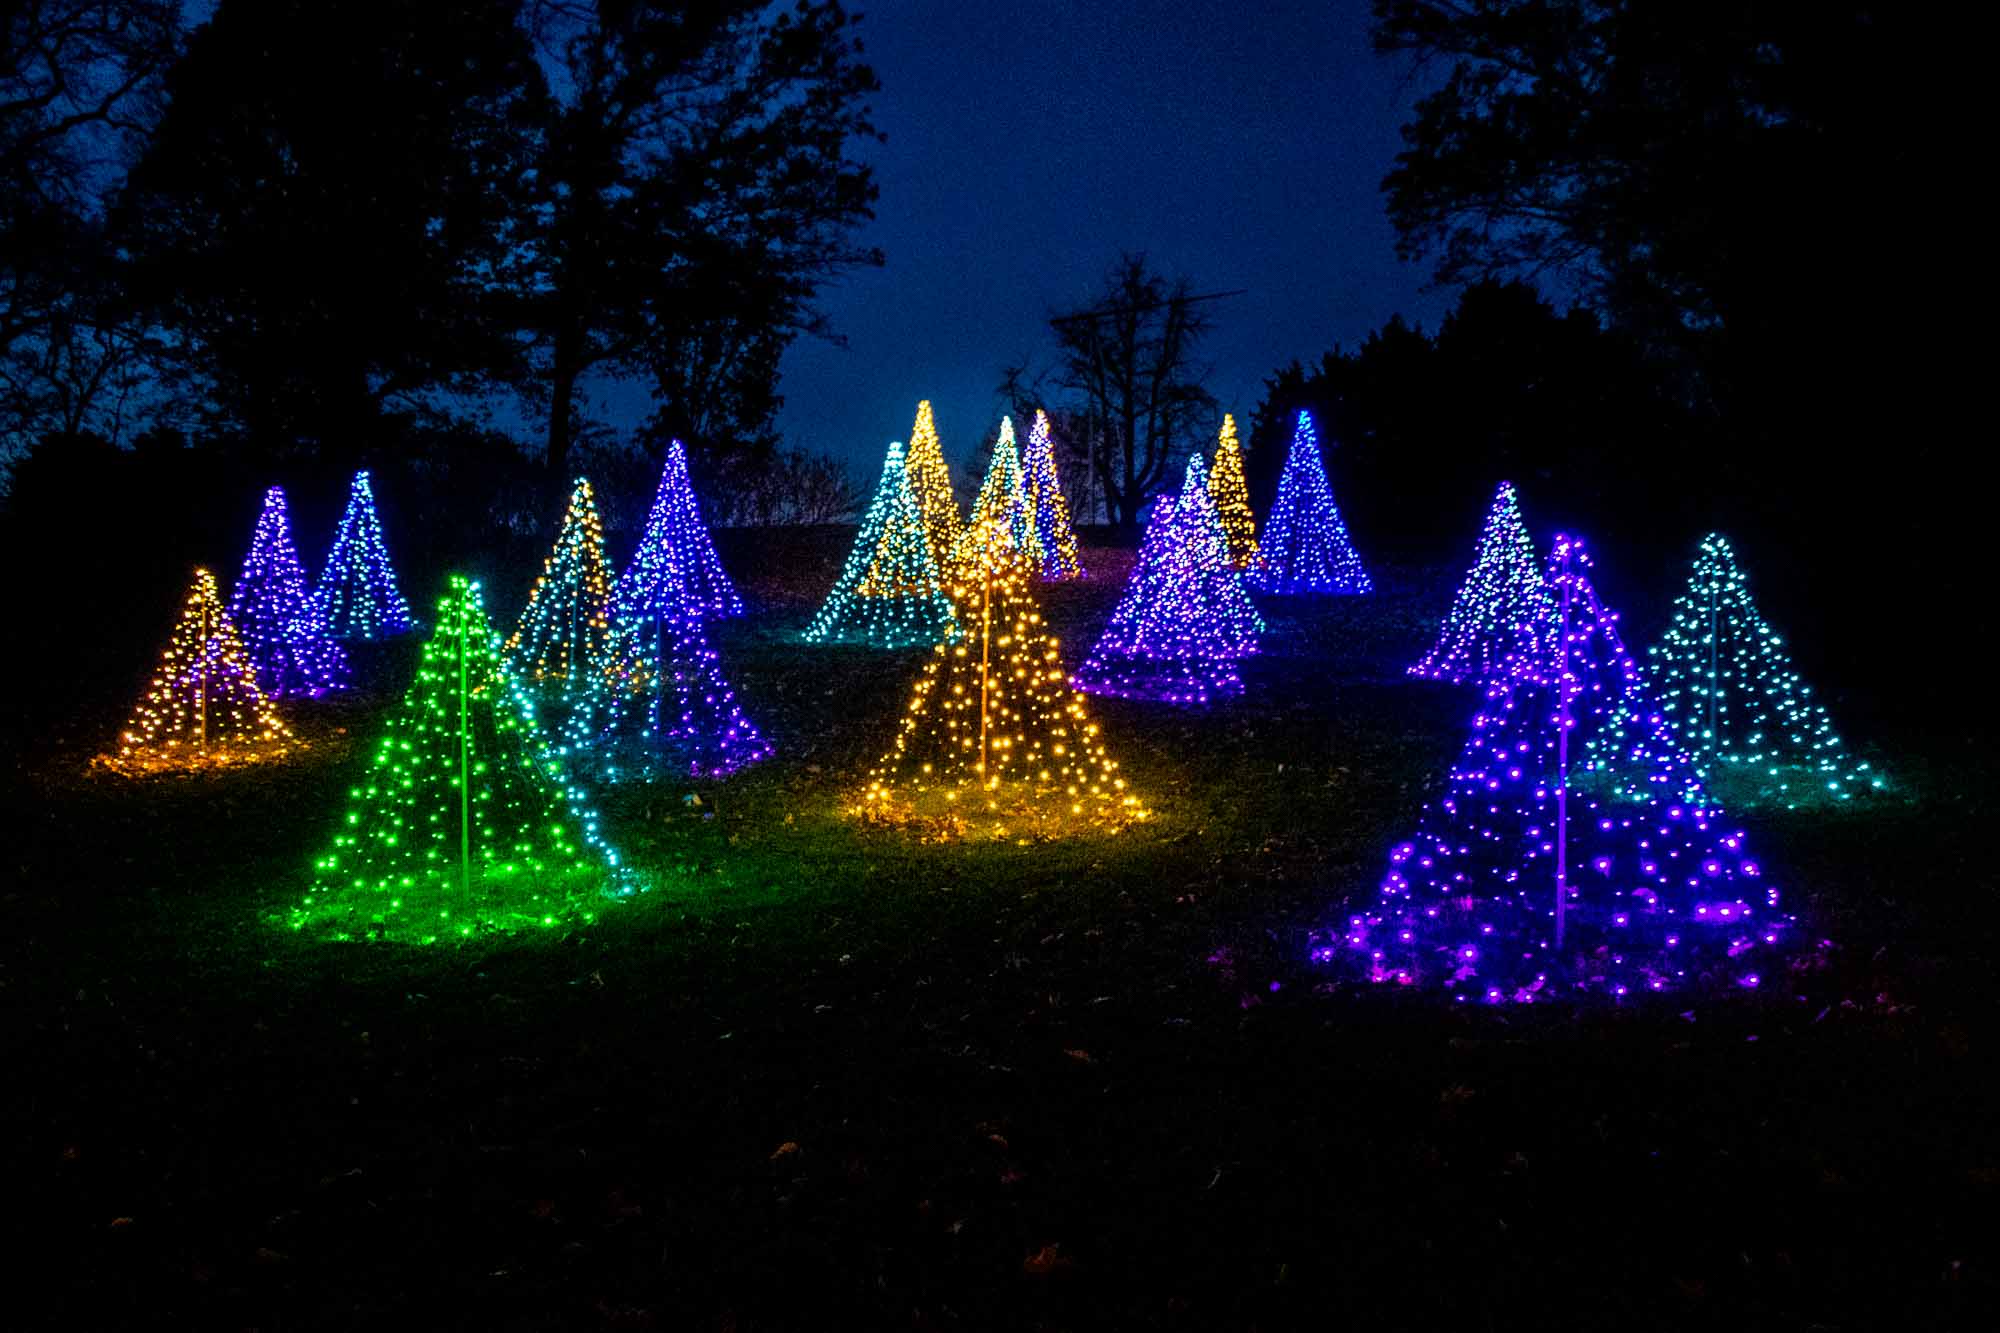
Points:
(1563, 678)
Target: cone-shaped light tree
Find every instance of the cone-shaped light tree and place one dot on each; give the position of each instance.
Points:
(283, 632)
(993, 739)
(890, 594)
(676, 540)
(1048, 510)
(1500, 623)
(357, 592)
(1003, 499)
(1185, 620)
(930, 483)
(1305, 549)
(1519, 886)
(1230, 494)
(564, 637)
(668, 711)
(203, 708)
(462, 823)
(1725, 684)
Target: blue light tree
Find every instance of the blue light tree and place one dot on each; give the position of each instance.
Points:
(1305, 549)
(284, 634)
(676, 543)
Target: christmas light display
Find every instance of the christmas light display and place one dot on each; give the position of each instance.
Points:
(462, 823)
(930, 483)
(565, 630)
(676, 540)
(1185, 618)
(1230, 495)
(1726, 686)
(1519, 886)
(1048, 511)
(667, 711)
(890, 594)
(1003, 499)
(1305, 549)
(1499, 623)
(283, 633)
(357, 593)
(203, 708)
(993, 738)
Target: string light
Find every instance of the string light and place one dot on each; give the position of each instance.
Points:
(1500, 621)
(676, 540)
(284, 635)
(1305, 549)
(1048, 511)
(993, 738)
(667, 709)
(1727, 688)
(1185, 618)
(565, 630)
(1231, 496)
(889, 594)
(462, 823)
(1519, 886)
(930, 483)
(357, 594)
(1002, 499)
(203, 708)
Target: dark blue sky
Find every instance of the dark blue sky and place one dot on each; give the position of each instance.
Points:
(1029, 141)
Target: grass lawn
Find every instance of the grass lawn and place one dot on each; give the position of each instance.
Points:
(831, 1077)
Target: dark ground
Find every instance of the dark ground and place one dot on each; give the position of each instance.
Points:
(831, 1078)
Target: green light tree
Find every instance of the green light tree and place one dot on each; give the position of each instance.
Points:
(462, 823)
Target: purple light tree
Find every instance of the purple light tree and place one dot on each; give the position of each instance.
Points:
(1519, 886)
(1185, 620)
(284, 634)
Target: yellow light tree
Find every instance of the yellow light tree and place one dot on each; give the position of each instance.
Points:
(1003, 499)
(1231, 495)
(994, 740)
(564, 637)
(930, 483)
(203, 708)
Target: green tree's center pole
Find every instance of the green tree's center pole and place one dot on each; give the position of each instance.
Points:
(464, 764)
(1562, 758)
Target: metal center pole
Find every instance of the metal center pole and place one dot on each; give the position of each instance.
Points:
(464, 761)
(1562, 756)
(985, 655)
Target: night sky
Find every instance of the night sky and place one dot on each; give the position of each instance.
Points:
(1029, 141)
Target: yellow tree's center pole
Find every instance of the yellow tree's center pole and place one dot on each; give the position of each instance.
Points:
(985, 656)
(201, 682)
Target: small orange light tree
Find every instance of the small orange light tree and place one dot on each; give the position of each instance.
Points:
(203, 708)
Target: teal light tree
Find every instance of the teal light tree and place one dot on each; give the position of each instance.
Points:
(357, 593)
(1725, 684)
(1500, 623)
(564, 636)
(463, 823)
(890, 594)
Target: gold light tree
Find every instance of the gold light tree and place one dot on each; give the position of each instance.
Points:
(1232, 497)
(203, 708)
(994, 741)
(930, 482)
